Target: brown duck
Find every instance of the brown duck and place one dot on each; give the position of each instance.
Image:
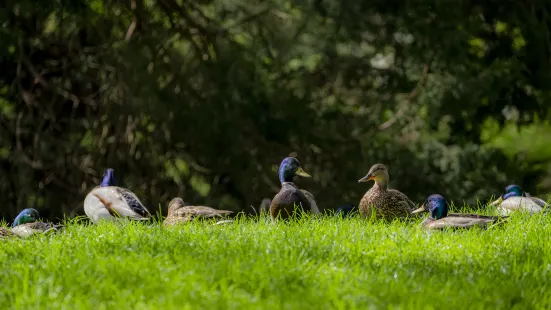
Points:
(382, 202)
(179, 213)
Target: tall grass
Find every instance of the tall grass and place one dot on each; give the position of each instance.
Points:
(327, 263)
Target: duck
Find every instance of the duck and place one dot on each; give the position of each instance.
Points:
(313, 205)
(110, 202)
(346, 210)
(439, 218)
(6, 233)
(284, 202)
(382, 202)
(516, 199)
(265, 206)
(27, 224)
(180, 212)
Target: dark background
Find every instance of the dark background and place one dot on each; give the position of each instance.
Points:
(203, 99)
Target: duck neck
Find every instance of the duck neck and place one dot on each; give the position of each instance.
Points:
(382, 184)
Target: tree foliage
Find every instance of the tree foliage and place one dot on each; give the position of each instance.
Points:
(204, 99)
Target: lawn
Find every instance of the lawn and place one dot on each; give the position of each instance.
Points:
(327, 263)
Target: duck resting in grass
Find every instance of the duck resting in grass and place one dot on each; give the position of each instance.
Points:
(516, 199)
(27, 224)
(110, 202)
(179, 212)
(439, 218)
(6, 233)
(290, 198)
(382, 202)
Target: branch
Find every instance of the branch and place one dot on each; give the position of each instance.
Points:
(409, 99)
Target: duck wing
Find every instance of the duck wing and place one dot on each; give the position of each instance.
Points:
(460, 222)
(313, 205)
(133, 202)
(201, 212)
(400, 199)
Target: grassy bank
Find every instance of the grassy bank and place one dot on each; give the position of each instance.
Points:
(321, 264)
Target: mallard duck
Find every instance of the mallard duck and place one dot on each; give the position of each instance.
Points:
(290, 196)
(382, 202)
(26, 224)
(346, 210)
(264, 206)
(110, 202)
(313, 205)
(6, 233)
(516, 199)
(440, 219)
(178, 213)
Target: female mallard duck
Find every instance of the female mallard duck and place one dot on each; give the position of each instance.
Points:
(382, 202)
(440, 219)
(26, 224)
(515, 199)
(110, 202)
(290, 196)
(179, 212)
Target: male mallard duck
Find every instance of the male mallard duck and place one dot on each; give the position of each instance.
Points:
(515, 199)
(346, 210)
(440, 219)
(264, 206)
(383, 202)
(178, 212)
(25, 224)
(283, 204)
(313, 205)
(110, 202)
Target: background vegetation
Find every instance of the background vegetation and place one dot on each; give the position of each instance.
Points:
(203, 99)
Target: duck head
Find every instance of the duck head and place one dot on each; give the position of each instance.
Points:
(175, 204)
(108, 178)
(290, 167)
(512, 190)
(435, 205)
(377, 173)
(29, 215)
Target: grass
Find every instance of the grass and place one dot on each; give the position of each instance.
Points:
(327, 263)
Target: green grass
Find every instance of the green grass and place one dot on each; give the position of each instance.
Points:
(313, 264)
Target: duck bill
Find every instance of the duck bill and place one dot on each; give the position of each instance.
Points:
(367, 178)
(497, 202)
(302, 173)
(421, 209)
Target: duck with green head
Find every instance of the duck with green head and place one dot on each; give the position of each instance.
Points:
(439, 218)
(382, 202)
(516, 199)
(290, 198)
(27, 224)
(110, 202)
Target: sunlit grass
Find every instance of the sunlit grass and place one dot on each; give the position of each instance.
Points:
(309, 264)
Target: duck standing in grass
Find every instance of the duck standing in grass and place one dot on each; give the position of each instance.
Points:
(26, 224)
(179, 212)
(110, 202)
(516, 199)
(440, 219)
(290, 196)
(383, 203)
